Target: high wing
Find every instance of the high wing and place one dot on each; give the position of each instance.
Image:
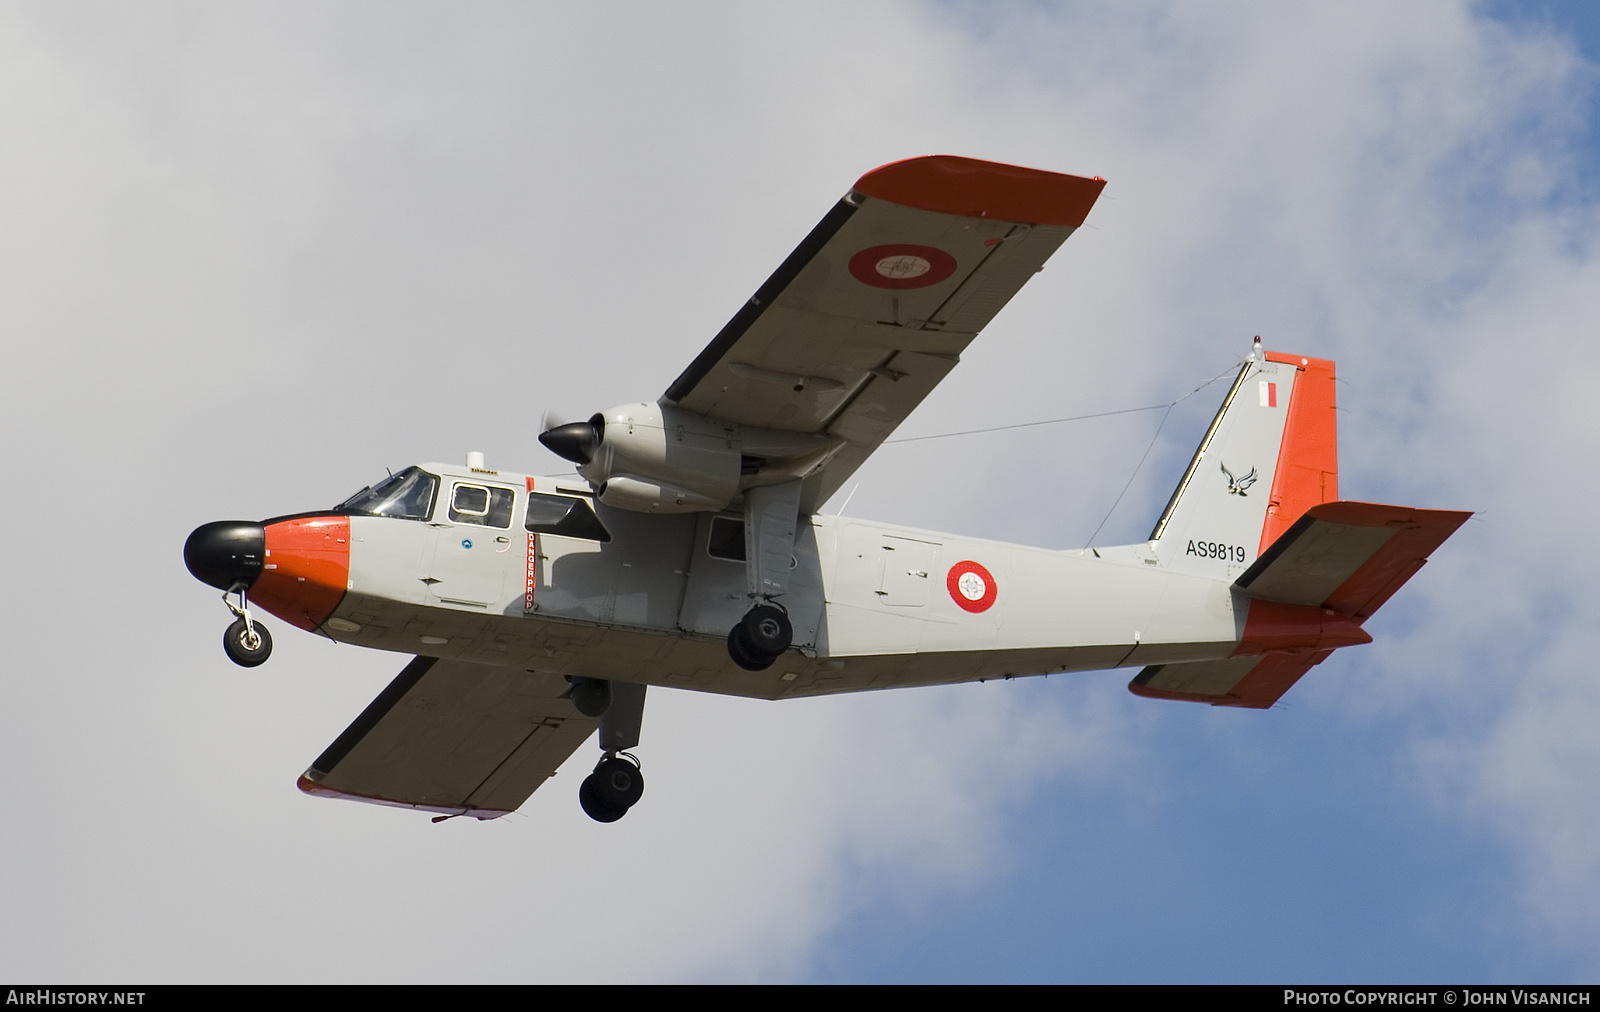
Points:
(1309, 594)
(871, 311)
(453, 738)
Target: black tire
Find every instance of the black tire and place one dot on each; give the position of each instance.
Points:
(767, 629)
(618, 782)
(745, 654)
(239, 651)
(594, 805)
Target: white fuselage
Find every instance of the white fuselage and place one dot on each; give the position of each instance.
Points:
(872, 605)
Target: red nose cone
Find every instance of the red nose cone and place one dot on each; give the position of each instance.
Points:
(307, 569)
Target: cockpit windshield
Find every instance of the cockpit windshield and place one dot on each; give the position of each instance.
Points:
(408, 495)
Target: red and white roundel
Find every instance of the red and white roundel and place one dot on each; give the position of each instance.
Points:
(902, 265)
(971, 586)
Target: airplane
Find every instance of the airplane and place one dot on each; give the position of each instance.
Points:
(689, 551)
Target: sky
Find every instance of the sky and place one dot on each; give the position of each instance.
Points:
(254, 254)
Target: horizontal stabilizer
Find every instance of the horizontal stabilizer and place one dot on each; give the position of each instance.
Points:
(1308, 594)
(453, 738)
(1251, 682)
(1348, 557)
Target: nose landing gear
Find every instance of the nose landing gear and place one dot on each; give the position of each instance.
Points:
(230, 555)
(246, 642)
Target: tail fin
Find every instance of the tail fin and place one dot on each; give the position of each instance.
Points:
(1271, 453)
(1261, 496)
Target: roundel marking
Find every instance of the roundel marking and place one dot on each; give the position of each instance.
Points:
(902, 265)
(971, 586)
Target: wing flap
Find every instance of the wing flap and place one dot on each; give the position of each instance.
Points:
(872, 414)
(453, 738)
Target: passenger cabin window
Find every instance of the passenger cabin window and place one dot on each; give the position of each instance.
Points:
(481, 504)
(407, 495)
(564, 515)
(727, 539)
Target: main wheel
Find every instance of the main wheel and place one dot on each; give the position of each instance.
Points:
(595, 806)
(767, 629)
(618, 782)
(745, 654)
(245, 647)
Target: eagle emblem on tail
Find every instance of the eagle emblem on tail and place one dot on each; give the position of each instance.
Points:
(1237, 486)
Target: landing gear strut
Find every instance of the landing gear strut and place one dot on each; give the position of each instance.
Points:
(246, 642)
(764, 633)
(616, 784)
(230, 555)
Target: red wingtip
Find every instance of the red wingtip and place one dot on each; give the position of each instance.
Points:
(949, 184)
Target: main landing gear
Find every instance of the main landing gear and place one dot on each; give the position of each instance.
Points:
(771, 513)
(616, 784)
(760, 638)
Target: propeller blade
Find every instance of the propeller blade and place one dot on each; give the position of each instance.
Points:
(551, 420)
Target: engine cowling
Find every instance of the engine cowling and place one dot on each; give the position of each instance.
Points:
(654, 458)
(657, 459)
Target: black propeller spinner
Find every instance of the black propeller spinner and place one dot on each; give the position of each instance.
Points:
(575, 441)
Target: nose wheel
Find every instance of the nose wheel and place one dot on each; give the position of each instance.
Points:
(615, 786)
(246, 642)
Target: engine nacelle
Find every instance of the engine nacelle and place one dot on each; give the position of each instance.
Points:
(654, 458)
(659, 459)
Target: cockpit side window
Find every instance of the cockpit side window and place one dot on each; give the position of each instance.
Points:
(565, 515)
(481, 504)
(407, 495)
